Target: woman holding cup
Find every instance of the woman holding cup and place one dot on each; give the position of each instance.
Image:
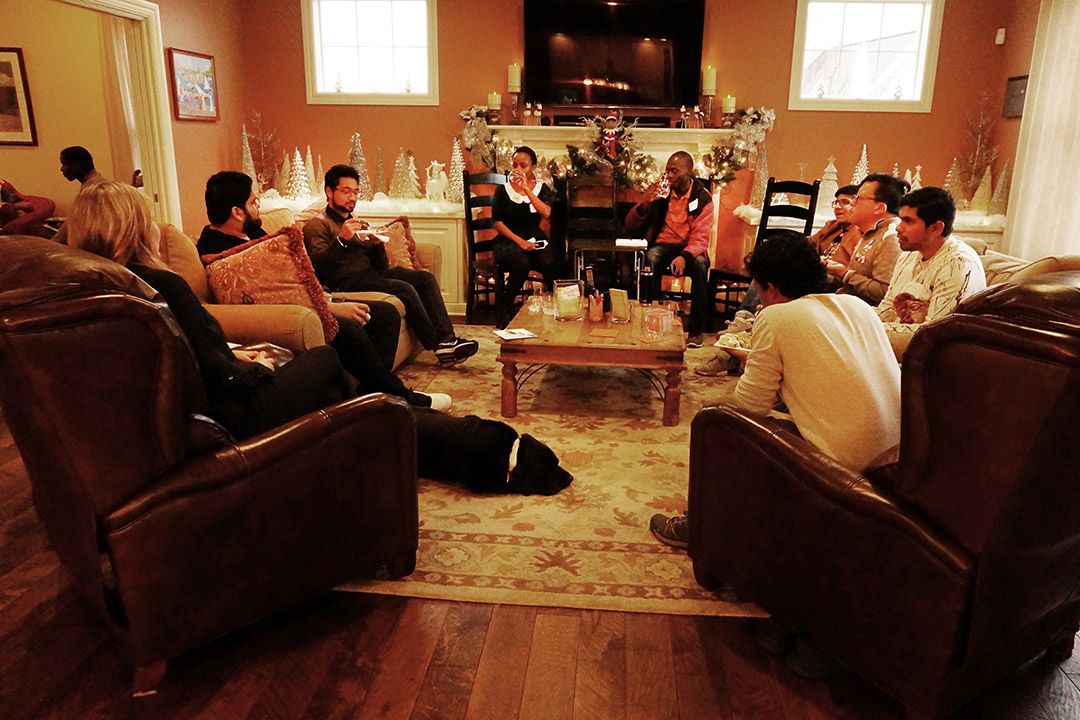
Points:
(517, 210)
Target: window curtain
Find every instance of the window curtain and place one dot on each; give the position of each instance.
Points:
(119, 103)
(1042, 203)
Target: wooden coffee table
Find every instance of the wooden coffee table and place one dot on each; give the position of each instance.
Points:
(574, 343)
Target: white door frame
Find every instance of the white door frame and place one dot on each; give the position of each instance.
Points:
(150, 95)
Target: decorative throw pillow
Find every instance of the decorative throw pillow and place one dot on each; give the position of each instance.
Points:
(400, 248)
(274, 270)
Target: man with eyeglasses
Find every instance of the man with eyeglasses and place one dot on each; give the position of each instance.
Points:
(873, 211)
(347, 257)
(836, 240)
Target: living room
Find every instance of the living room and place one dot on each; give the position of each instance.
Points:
(450, 655)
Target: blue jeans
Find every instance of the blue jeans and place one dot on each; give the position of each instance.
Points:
(659, 257)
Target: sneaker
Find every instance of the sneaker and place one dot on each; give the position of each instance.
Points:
(439, 401)
(456, 350)
(721, 363)
(672, 530)
(695, 340)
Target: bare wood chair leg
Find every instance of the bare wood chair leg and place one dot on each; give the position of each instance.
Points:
(148, 678)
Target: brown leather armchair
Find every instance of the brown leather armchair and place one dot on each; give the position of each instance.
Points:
(937, 574)
(175, 533)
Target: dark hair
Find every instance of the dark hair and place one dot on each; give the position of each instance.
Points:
(224, 191)
(334, 175)
(789, 262)
(847, 190)
(528, 151)
(78, 155)
(932, 204)
(889, 189)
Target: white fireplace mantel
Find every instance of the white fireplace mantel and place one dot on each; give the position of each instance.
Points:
(551, 141)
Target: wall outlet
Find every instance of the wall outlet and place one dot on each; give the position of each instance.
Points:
(999, 39)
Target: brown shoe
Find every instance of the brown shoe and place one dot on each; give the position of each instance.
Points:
(673, 531)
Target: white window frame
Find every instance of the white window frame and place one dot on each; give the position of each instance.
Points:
(929, 69)
(312, 59)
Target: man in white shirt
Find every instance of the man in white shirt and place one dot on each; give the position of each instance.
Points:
(824, 356)
(935, 272)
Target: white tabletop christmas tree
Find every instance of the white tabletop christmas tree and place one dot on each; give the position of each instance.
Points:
(829, 184)
(298, 179)
(457, 170)
(862, 168)
(309, 169)
(359, 163)
(247, 164)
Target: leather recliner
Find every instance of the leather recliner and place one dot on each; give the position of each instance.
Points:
(935, 575)
(175, 533)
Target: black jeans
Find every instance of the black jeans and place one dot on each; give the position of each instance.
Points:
(419, 292)
(659, 257)
(367, 360)
(516, 262)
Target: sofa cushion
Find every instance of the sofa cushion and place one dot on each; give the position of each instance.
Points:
(400, 248)
(274, 270)
(179, 253)
(274, 220)
(999, 267)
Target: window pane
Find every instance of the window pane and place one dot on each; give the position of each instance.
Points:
(824, 23)
(374, 22)
(901, 18)
(338, 21)
(339, 66)
(410, 23)
(376, 65)
(862, 22)
(410, 65)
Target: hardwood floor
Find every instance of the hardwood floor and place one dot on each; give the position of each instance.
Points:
(345, 655)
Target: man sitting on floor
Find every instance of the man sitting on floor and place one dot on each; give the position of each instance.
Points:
(366, 340)
(934, 273)
(348, 258)
(824, 356)
(677, 225)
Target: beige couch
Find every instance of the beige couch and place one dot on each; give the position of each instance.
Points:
(1001, 268)
(291, 326)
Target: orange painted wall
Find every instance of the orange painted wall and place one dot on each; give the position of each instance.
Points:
(203, 148)
(749, 41)
(63, 65)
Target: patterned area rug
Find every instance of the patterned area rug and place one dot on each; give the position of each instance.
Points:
(590, 545)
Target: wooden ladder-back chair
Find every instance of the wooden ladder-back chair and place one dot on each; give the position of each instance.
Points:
(727, 289)
(483, 279)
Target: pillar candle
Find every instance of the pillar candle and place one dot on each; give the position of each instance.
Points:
(513, 78)
(729, 104)
(708, 81)
(494, 100)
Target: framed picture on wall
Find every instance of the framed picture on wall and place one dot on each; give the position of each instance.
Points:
(194, 85)
(16, 112)
(1015, 94)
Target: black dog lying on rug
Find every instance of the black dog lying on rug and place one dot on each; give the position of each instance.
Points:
(479, 452)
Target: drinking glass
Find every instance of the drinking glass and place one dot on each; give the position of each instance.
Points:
(568, 297)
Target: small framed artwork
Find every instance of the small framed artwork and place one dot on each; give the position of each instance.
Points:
(16, 112)
(1015, 93)
(194, 85)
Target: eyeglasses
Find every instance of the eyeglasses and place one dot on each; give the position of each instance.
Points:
(842, 202)
(349, 192)
(862, 197)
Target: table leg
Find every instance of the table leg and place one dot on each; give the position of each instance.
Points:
(671, 398)
(509, 389)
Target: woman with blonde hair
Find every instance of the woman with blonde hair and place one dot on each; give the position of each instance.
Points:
(247, 397)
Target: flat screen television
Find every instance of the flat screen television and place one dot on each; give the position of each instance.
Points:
(607, 52)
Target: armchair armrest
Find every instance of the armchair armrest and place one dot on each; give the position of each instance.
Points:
(290, 326)
(800, 533)
(248, 529)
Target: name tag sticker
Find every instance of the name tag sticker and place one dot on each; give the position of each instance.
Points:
(692, 206)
